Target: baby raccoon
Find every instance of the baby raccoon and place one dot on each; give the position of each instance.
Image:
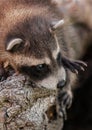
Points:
(34, 41)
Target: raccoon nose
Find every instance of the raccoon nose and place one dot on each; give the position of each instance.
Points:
(61, 84)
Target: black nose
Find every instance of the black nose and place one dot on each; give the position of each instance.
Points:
(61, 84)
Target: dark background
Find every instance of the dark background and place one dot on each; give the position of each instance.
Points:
(80, 114)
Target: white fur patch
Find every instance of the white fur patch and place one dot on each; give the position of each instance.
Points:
(30, 61)
(52, 81)
(55, 52)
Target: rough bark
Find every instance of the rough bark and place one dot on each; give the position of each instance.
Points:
(23, 107)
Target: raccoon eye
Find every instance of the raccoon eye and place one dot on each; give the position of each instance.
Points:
(40, 71)
(40, 67)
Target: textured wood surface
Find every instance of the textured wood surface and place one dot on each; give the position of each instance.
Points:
(23, 107)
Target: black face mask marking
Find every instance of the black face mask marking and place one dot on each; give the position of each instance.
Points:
(59, 59)
(37, 72)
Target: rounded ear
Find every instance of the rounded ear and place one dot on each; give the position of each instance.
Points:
(12, 43)
(57, 25)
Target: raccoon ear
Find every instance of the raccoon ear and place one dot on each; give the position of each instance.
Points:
(57, 24)
(12, 43)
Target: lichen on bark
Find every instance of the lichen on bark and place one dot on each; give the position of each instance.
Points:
(23, 107)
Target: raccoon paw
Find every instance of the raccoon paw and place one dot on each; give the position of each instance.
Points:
(74, 65)
(78, 65)
(65, 98)
(64, 101)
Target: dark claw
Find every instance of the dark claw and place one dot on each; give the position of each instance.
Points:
(61, 95)
(79, 65)
(62, 113)
(64, 99)
(74, 65)
(68, 102)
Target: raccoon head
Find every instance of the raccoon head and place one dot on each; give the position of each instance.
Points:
(35, 51)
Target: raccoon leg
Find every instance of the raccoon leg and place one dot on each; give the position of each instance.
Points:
(74, 66)
(64, 100)
(64, 94)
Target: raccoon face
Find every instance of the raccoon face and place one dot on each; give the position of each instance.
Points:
(35, 51)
